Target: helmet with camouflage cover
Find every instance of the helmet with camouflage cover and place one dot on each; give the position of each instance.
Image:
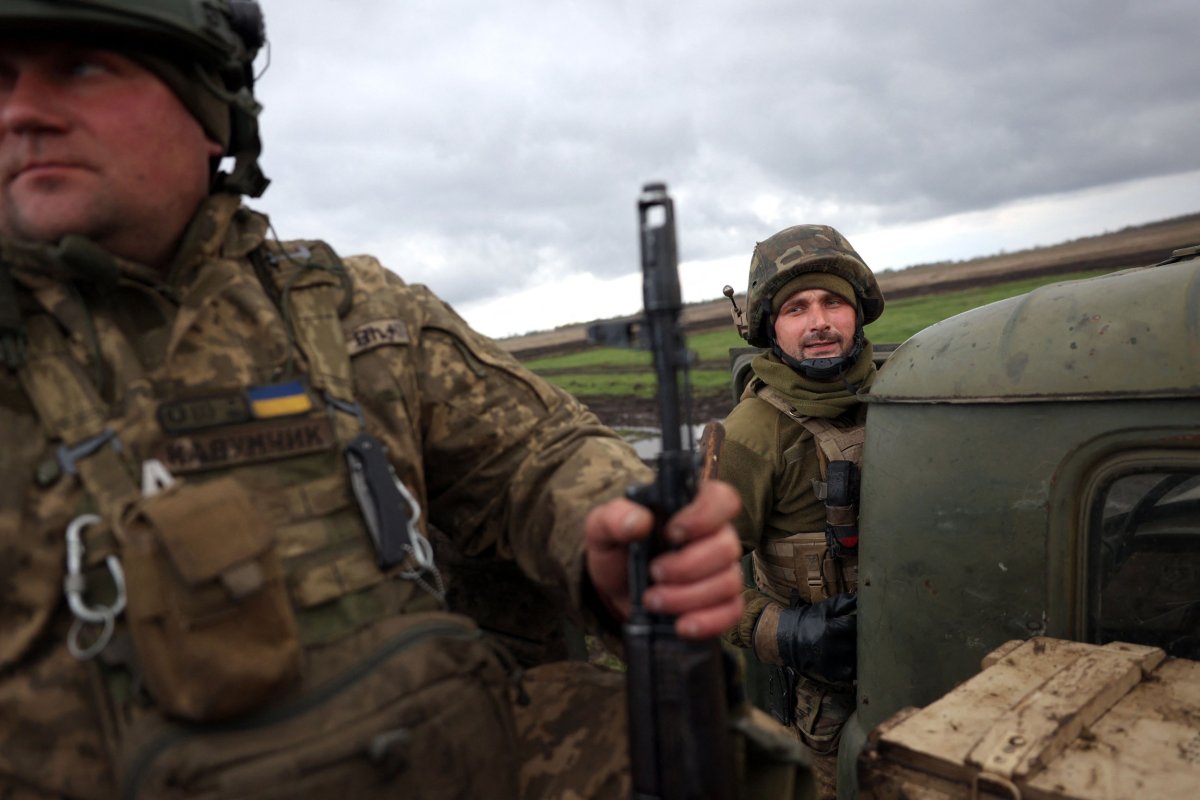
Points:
(202, 49)
(800, 249)
(795, 251)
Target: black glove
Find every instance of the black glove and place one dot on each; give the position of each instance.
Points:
(821, 638)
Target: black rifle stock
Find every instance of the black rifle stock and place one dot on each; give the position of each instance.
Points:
(680, 744)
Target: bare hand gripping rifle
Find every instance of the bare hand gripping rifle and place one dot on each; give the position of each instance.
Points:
(679, 695)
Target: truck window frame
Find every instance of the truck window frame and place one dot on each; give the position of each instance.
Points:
(1146, 468)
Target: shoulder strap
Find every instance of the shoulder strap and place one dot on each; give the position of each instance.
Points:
(71, 410)
(312, 289)
(834, 443)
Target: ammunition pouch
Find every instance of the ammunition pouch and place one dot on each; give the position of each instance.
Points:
(208, 611)
(802, 566)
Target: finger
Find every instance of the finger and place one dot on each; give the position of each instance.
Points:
(697, 559)
(614, 524)
(711, 621)
(713, 591)
(715, 504)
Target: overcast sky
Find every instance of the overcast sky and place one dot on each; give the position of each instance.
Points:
(494, 150)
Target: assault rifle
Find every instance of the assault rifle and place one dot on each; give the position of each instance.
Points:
(679, 696)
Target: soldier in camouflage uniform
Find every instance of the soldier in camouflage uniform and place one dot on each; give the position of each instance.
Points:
(791, 449)
(222, 455)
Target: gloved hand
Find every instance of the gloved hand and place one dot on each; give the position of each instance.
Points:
(821, 638)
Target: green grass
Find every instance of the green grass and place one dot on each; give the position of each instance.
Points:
(901, 319)
(596, 357)
(711, 347)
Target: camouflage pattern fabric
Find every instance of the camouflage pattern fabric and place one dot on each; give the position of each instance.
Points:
(821, 713)
(497, 459)
(571, 733)
(805, 248)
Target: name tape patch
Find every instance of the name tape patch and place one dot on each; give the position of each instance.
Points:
(178, 416)
(247, 444)
(377, 333)
(256, 402)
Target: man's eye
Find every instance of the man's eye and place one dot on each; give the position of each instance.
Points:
(87, 67)
(83, 68)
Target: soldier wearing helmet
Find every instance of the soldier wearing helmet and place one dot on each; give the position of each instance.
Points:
(223, 457)
(792, 449)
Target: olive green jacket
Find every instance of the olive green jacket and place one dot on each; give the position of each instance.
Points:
(771, 460)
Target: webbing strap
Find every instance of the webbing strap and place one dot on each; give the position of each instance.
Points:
(834, 443)
(311, 293)
(70, 408)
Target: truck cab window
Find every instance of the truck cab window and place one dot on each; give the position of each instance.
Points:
(1144, 562)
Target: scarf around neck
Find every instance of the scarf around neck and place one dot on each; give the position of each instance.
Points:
(826, 399)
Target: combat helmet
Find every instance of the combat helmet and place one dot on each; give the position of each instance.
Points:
(214, 42)
(794, 251)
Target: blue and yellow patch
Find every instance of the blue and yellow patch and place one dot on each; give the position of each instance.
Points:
(279, 400)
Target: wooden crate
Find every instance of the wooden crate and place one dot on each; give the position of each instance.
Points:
(1048, 719)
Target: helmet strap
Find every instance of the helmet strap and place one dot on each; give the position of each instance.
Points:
(245, 146)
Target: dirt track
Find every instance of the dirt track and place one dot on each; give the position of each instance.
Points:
(633, 412)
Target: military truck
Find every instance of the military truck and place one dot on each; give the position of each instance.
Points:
(1032, 469)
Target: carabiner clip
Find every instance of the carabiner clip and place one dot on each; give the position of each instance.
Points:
(75, 584)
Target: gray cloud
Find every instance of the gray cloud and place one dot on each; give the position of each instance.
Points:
(484, 148)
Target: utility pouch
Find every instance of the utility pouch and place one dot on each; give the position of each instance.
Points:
(841, 508)
(208, 610)
(414, 707)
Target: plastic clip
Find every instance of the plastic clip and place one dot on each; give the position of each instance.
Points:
(68, 455)
(353, 409)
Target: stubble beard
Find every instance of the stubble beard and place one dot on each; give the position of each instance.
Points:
(52, 208)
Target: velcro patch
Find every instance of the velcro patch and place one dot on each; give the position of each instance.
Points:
(279, 399)
(247, 444)
(377, 333)
(178, 416)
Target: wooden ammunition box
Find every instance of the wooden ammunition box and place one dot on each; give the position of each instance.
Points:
(1048, 719)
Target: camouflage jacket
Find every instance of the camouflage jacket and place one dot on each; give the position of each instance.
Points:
(501, 462)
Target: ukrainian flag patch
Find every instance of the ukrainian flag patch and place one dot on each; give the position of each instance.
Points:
(279, 400)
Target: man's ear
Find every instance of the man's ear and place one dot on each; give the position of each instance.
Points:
(214, 148)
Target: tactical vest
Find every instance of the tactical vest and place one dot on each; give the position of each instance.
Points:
(253, 624)
(810, 566)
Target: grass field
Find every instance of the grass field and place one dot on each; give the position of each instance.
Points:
(606, 371)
